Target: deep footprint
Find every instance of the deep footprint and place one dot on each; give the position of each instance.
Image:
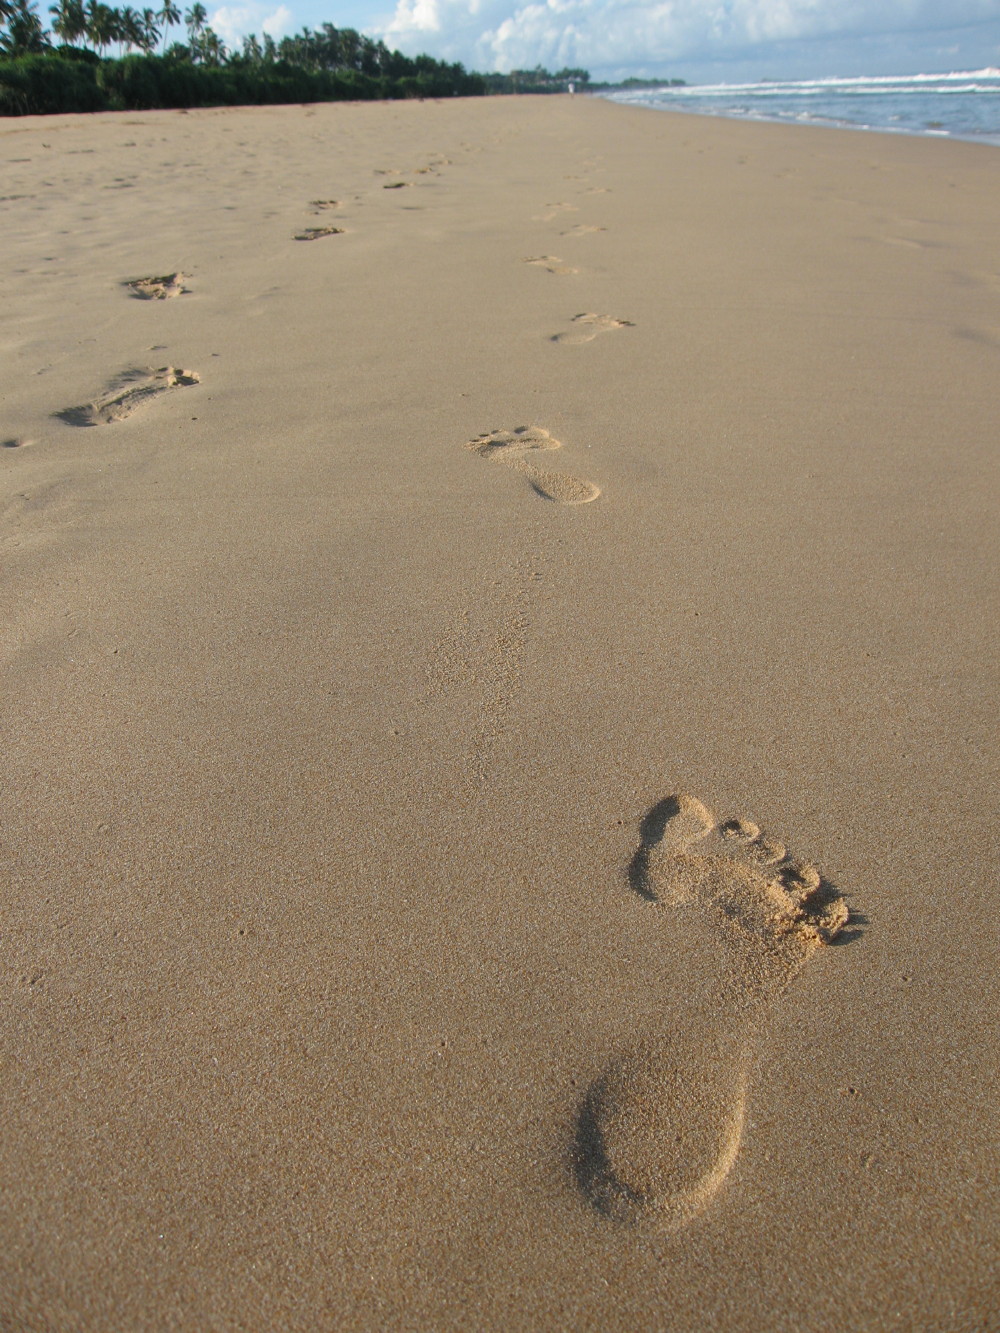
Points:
(314, 233)
(130, 391)
(513, 448)
(587, 326)
(157, 289)
(659, 1132)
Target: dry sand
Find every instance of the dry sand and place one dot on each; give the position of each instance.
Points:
(402, 505)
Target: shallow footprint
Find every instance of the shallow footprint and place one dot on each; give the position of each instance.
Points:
(587, 326)
(551, 264)
(658, 1133)
(582, 229)
(914, 243)
(554, 211)
(130, 391)
(513, 448)
(157, 289)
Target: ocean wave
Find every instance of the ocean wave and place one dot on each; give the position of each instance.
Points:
(970, 81)
(958, 104)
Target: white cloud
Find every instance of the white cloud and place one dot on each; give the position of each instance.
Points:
(234, 22)
(422, 15)
(604, 34)
(279, 23)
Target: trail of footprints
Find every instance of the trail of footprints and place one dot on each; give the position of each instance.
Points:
(515, 448)
(319, 206)
(136, 387)
(658, 1132)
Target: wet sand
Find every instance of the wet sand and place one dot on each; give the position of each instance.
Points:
(500, 778)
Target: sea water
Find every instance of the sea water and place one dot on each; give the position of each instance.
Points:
(959, 105)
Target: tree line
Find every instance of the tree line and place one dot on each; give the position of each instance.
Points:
(537, 80)
(98, 57)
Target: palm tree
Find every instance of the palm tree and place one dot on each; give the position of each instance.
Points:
(68, 21)
(169, 16)
(209, 47)
(150, 32)
(130, 31)
(102, 24)
(196, 18)
(25, 33)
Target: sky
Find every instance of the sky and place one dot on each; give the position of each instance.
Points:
(702, 41)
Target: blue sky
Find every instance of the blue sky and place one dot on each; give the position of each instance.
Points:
(698, 40)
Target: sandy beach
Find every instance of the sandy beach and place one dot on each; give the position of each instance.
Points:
(500, 784)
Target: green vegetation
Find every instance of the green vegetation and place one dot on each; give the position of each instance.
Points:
(537, 80)
(638, 83)
(99, 58)
(331, 64)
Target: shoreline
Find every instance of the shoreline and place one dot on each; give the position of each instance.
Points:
(948, 105)
(819, 124)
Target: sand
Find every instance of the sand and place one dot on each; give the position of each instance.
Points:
(500, 777)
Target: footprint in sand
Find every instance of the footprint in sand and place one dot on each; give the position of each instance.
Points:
(554, 211)
(587, 326)
(514, 447)
(157, 289)
(659, 1132)
(314, 233)
(320, 205)
(985, 337)
(130, 391)
(913, 243)
(582, 229)
(551, 264)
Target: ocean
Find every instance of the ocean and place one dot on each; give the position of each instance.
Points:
(959, 105)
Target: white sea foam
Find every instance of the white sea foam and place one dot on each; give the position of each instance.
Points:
(958, 103)
(872, 82)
